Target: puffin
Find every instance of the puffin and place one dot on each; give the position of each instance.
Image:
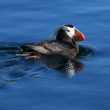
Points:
(65, 44)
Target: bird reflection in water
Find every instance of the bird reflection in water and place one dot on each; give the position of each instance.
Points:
(62, 64)
(14, 68)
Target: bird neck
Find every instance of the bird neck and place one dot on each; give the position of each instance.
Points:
(76, 46)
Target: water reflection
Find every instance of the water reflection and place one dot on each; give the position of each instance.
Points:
(73, 66)
(14, 68)
(69, 66)
(62, 64)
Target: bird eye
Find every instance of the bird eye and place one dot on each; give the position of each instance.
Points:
(68, 30)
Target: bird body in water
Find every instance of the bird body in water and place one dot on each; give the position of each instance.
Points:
(65, 44)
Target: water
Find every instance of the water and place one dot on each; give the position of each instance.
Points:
(33, 84)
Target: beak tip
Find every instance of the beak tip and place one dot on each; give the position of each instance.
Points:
(80, 36)
(83, 37)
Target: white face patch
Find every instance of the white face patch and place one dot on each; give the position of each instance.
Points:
(70, 31)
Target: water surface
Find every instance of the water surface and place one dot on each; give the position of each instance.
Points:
(32, 84)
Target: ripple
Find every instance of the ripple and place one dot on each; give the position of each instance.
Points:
(85, 52)
(13, 67)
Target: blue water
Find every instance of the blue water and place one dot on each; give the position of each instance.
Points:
(34, 85)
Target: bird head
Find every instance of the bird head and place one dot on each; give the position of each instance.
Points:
(71, 32)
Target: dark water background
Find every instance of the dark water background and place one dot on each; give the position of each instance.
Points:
(31, 84)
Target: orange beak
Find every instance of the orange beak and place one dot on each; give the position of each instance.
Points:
(79, 36)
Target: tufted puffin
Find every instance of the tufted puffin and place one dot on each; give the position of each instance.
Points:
(65, 44)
